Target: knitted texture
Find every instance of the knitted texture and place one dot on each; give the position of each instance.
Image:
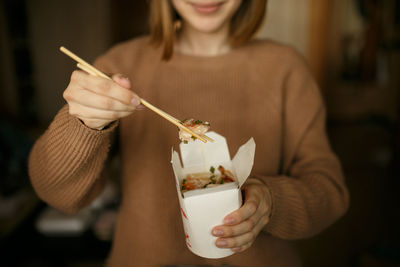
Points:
(262, 90)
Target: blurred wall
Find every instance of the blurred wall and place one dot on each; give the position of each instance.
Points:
(81, 26)
(8, 92)
(303, 24)
(288, 22)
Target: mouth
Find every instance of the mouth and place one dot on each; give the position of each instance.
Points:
(207, 8)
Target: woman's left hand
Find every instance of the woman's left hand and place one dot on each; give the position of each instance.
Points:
(242, 226)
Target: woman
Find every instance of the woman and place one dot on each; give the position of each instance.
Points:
(199, 61)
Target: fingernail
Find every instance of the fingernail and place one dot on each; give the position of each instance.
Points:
(122, 77)
(123, 80)
(221, 243)
(237, 249)
(140, 107)
(135, 102)
(229, 220)
(218, 232)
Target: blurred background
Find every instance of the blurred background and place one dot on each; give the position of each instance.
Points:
(353, 50)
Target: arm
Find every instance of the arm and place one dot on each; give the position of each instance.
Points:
(313, 194)
(66, 161)
(310, 194)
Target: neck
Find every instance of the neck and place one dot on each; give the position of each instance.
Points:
(197, 43)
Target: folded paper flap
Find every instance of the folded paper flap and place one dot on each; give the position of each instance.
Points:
(197, 153)
(202, 209)
(199, 156)
(176, 166)
(243, 161)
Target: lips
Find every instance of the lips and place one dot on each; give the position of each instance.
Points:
(207, 8)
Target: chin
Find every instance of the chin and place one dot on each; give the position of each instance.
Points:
(206, 26)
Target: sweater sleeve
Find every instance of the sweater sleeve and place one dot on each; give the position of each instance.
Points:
(66, 161)
(311, 193)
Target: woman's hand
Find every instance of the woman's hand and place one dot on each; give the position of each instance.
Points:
(97, 101)
(242, 226)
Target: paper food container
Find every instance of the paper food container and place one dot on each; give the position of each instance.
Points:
(203, 209)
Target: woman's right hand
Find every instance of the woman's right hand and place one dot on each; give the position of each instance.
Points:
(97, 101)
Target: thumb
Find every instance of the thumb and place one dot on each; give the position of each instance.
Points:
(122, 80)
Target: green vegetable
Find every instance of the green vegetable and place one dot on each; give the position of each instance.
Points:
(193, 137)
(212, 169)
(198, 122)
(212, 178)
(185, 142)
(183, 187)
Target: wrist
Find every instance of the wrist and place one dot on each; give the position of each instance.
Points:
(98, 127)
(266, 192)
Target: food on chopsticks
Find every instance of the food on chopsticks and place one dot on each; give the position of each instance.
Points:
(207, 179)
(197, 126)
(83, 65)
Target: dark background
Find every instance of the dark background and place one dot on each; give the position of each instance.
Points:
(358, 74)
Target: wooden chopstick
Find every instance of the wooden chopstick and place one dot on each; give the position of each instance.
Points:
(83, 65)
(203, 135)
(178, 121)
(147, 104)
(93, 70)
(153, 108)
(86, 69)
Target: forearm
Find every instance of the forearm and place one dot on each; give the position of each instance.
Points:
(66, 161)
(304, 206)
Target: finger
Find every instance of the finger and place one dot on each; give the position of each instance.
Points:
(242, 248)
(235, 230)
(104, 87)
(90, 99)
(122, 80)
(257, 229)
(244, 241)
(140, 107)
(261, 224)
(243, 213)
(93, 113)
(236, 241)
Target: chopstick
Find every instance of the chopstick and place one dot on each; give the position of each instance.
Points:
(175, 119)
(83, 65)
(82, 62)
(147, 104)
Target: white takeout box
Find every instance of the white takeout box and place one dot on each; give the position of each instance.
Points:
(203, 209)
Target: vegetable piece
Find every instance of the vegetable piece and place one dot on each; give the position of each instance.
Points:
(212, 169)
(197, 126)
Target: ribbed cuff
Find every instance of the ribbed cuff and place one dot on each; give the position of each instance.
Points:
(282, 205)
(88, 138)
(68, 159)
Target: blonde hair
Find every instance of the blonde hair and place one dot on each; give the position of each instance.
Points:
(244, 24)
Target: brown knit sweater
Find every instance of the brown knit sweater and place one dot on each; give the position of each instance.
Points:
(262, 90)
